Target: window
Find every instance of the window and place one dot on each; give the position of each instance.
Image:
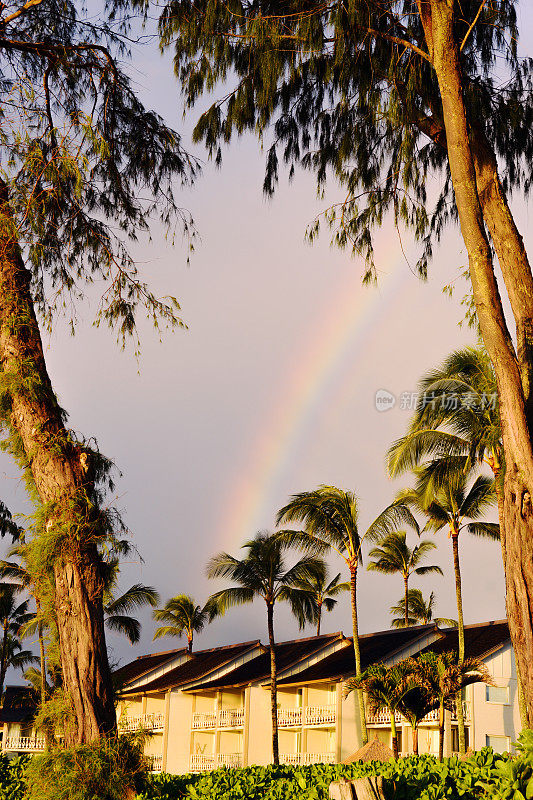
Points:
(498, 743)
(399, 739)
(299, 697)
(455, 739)
(497, 694)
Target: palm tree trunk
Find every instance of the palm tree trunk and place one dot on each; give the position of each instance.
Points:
(3, 659)
(415, 740)
(319, 618)
(357, 652)
(394, 734)
(406, 586)
(461, 638)
(441, 731)
(43, 663)
(273, 684)
(189, 643)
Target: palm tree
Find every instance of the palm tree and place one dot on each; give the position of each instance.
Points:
(262, 573)
(418, 611)
(13, 615)
(457, 414)
(442, 677)
(117, 610)
(330, 519)
(442, 494)
(181, 615)
(312, 595)
(384, 689)
(394, 556)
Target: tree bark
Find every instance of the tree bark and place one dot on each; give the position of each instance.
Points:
(357, 651)
(438, 21)
(319, 614)
(441, 732)
(394, 734)
(58, 469)
(406, 594)
(273, 684)
(415, 741)
(460, 638)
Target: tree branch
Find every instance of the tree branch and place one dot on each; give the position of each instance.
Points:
(470, 29)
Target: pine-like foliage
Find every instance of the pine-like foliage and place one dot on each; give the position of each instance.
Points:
(84, 165)
(350, 95)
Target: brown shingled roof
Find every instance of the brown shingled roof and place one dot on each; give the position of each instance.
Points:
(258, 669)
(201, 663)
(20, 704)
(373, 646)
(143, 664)
(480, 639)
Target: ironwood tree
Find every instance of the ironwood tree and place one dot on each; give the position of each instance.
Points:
(379, 95)
(84, 167)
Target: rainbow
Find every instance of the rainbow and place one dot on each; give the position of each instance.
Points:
(332, 343)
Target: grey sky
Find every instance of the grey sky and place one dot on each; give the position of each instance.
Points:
(270, 391)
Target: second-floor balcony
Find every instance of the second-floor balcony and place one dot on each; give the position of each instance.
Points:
(310, 715)
(382, 717)
(148, 722)
(224, 718)
(23, 744)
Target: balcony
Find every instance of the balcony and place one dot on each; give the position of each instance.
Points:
(23, 744)
(320, 715)
(155, 763)
(304, 759)
(203, 763)
(289, 716)
(382, 717)
(231, 718)
(148, 722)
(226, 718)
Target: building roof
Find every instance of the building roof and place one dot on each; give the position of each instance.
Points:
(200, 663)
(480, 639)
(20, 704)
(373, 646)
(144, 664)
(287, 654)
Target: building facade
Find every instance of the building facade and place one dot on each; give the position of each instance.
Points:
(212, 708)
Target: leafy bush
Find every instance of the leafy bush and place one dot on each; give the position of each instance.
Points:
(12, 783)
(109, 769)
(483, 775)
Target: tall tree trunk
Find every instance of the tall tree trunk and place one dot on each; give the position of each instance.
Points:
(441, 732)
(357, 651)
(415, 740)
(394, 734)
(406, 595)
(59, 469)
(460, 637)
(3, 658)
(438, 21)
(273, 684)
(189, 643)
(42, 658)
(319, 615)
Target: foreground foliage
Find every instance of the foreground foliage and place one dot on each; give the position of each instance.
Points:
(485, 774)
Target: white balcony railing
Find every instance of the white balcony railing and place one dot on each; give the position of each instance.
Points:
(204, 720)
(319, 715)
(23, 744)
(229, 760)
(289, 716)
(155, 763)
(302, 759)
(149, 722)
(231, 718)
(383, 717)
(201, 763)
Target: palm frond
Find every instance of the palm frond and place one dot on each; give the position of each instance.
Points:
(122, 623)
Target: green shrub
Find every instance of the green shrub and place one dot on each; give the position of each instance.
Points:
(12, 783)
(109, 769)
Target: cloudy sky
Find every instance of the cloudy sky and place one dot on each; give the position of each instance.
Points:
(270, 391)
